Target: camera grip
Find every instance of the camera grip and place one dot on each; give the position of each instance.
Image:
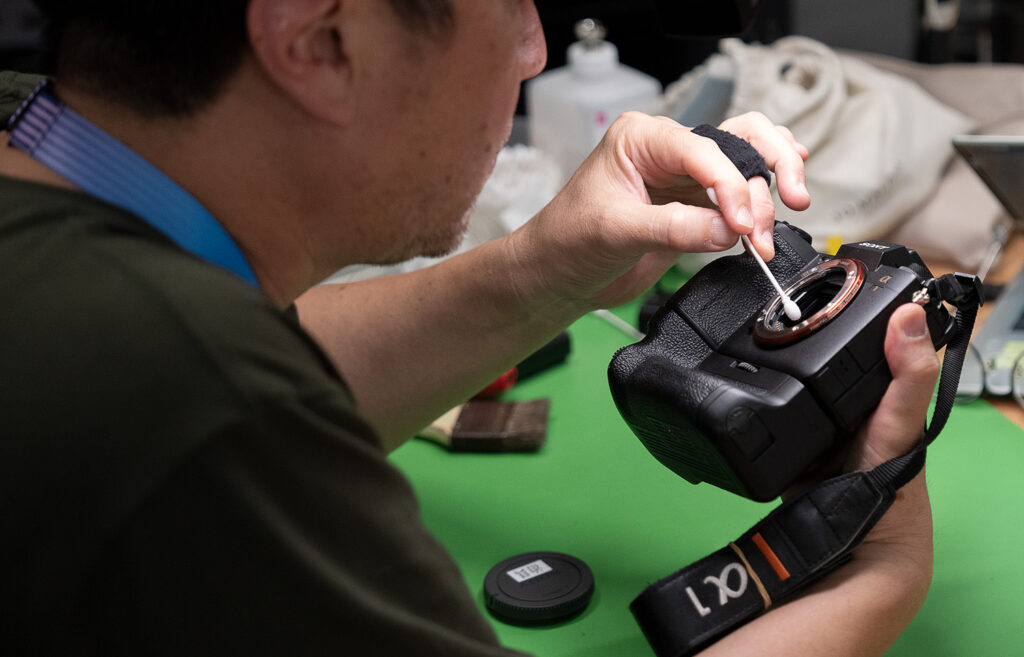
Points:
(657, 386)
(707, 418)
(659, 409)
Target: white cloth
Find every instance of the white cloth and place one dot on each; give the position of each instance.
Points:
(955, 224)
(878, 143)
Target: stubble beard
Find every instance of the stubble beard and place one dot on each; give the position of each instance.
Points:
(428, 241)
(444, 242)
(422, 233)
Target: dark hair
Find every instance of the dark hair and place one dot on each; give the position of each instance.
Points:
(163, 57)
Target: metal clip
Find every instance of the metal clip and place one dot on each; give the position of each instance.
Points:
(961, 290)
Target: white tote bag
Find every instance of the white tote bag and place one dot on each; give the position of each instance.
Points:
(877, 142)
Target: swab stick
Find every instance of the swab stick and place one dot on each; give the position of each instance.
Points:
(788, 305)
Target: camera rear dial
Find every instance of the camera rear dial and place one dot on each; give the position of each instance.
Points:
(822, 292)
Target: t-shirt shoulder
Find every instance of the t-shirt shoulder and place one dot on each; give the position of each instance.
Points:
(93, 269)
(14, 89)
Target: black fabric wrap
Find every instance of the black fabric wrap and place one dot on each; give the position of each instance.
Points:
(808, 536)
(743, 155)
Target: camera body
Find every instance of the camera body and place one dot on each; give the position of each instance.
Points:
(726, 389)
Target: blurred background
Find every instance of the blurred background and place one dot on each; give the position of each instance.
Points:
(983, 31)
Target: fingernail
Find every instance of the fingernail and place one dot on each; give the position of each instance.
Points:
(744, 217)
(915, 326)
(712, 195)
(721, 235)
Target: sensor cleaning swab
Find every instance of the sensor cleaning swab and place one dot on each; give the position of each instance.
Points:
(788, 305)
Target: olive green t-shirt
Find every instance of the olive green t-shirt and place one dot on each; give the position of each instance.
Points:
(181, 469)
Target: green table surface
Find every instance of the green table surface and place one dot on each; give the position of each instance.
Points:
(594, 492)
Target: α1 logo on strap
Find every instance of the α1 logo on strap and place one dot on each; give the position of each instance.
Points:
(725, 591)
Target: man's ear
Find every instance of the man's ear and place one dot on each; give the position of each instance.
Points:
(300, 47)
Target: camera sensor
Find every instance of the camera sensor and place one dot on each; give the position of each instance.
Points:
(822, 292)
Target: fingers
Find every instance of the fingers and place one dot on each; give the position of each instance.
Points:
(681, 228)
(898, 423)
(653, 155)
(782, 152)
(800, 148)
(785, 156)
(661, 150)
(764, 213)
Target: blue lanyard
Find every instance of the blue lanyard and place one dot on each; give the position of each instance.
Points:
(107, 169)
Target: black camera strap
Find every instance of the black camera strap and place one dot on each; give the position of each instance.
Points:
(807, 536)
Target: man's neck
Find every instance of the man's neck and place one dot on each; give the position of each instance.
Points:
(16, 164)
(226, 170)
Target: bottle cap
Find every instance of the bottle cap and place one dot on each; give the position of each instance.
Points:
(591, 32)
(592, 56)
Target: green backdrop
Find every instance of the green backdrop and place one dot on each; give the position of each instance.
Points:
(594, 492)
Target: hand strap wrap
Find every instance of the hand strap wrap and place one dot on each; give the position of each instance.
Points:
(746, 158)
(803, 539)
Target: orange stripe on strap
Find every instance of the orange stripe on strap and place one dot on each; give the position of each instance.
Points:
(769, 554)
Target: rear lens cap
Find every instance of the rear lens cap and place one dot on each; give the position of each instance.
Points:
(538, 588)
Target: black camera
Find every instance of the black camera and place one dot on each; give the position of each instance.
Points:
(726, 389)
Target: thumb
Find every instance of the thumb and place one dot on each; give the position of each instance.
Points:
(675, 227)
(898, 422)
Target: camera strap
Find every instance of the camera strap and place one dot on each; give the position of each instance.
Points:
(807, 536)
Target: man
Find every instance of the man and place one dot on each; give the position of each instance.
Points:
(184, 470)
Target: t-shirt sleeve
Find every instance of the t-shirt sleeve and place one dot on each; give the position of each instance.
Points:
(285, 535)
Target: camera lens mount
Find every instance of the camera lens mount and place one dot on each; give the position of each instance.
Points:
(822, 292)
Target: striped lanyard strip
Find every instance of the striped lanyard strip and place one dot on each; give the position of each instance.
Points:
(103, 167)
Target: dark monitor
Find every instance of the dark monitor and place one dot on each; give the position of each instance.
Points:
(999, 161)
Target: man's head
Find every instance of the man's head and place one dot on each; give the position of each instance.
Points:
(169, 58)
(341, 131)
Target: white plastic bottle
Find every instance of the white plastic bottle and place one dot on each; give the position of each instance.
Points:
(570, 108)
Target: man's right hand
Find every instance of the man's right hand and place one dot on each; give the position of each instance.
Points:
(639, 200)
(441, 334)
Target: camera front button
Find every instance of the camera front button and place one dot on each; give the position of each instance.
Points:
(747, 432)
(845, 367)
(826, 385)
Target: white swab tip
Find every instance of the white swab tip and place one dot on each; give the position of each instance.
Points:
(792, 310)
